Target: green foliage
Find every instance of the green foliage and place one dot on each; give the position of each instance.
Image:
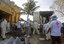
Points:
(30, 7)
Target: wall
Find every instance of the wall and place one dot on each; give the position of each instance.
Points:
(9, 11)
(36, 16)
(15, 15)
(5, 7)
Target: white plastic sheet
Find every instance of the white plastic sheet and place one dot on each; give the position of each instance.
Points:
(10, 41)
(17, 41)
(4, 41)
(7, 41)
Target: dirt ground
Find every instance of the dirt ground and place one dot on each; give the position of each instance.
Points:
(34, 39)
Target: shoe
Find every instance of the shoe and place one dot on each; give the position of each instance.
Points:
(28, 36)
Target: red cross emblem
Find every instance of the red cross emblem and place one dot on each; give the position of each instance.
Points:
(57, 23)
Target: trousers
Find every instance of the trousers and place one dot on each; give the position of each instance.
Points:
(56, 39)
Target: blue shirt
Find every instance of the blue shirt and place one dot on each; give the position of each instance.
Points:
(56, 28)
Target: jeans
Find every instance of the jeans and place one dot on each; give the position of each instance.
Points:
(18, 31)
(27, 30)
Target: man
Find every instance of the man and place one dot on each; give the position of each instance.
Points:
(3, 28)
(12, 27)
(27, 25)
(35, 28)
(55, 30)
(8, 27)
(44, 27)
(18, 28)
(47, 34)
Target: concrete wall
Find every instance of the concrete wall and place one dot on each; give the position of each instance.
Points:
(36, 16)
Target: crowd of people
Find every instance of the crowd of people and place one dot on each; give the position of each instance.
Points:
(18, 27)
(51, 29)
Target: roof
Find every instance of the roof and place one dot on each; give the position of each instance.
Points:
(46, 13)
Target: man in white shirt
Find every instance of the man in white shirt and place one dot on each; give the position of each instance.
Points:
(35, 28)
(3, 28)
(55, 30)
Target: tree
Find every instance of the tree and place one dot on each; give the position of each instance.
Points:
(58, 6)
(30, 7)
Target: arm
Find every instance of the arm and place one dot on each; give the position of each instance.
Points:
(49, 30)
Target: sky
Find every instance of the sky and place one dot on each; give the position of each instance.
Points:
(44, 4)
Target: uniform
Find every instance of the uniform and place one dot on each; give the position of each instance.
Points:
(35, 28)
(55, 31)
(3, 28)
